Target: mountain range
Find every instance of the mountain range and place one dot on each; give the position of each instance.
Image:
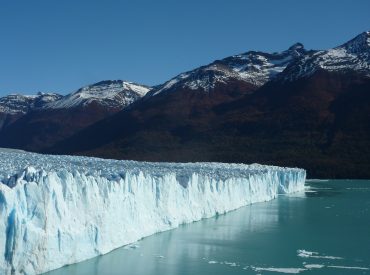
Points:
(36, 122)
(306, 108)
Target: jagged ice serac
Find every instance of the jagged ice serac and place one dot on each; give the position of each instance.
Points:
(59, 210)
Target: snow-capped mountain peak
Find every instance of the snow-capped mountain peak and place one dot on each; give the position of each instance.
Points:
(114, 94)
(258, 68)
(109, 93)
(255, 68)
(359, 44)
(21, 104)
(296, 46)
(297, 50)
(353, 55)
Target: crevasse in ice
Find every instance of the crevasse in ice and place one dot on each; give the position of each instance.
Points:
(59, 210)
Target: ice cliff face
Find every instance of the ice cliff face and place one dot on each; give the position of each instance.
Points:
(58, 210)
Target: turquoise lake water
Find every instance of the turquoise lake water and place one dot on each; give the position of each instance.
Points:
(324, 230)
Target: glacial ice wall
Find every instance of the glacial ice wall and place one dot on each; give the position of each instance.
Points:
(59, 210)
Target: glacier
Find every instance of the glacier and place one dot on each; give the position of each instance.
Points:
(59, 210)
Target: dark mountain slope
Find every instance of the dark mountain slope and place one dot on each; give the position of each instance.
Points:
(320, 123)
(43, 128)
(158, 122)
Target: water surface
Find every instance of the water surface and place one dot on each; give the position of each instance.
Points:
(324, 230)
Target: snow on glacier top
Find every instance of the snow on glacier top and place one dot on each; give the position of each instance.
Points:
(14, 163)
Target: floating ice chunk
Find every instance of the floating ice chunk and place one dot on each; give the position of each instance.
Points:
(212, 262)
(314, 266)
(309, 254)
(349, 267)
(288, 270)
(132, 246)
(232, 264)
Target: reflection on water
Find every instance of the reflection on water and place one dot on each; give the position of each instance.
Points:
(323, 193)
(262, 238)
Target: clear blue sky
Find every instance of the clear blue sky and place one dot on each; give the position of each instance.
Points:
(61, 45)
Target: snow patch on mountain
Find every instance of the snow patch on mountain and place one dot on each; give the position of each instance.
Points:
(58, 210)
(255, 68)
(258, 68)
(21, 104)
(351, 56)
(113, 94)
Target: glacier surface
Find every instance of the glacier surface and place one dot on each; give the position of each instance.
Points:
(59, 210)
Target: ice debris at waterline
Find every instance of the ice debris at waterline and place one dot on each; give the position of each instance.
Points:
(59, 210)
